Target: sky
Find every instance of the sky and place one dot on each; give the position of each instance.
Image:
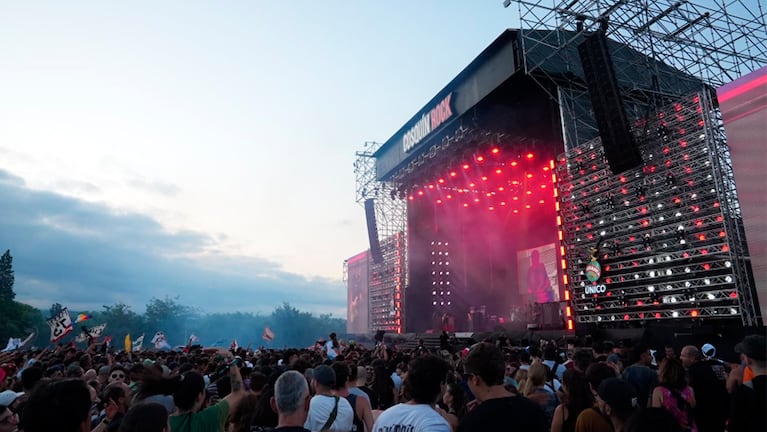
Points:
(205, 149)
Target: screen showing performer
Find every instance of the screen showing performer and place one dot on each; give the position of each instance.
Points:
(538, 274)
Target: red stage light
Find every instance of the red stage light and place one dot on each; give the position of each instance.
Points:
(540, 202)
(515, 182)
(722, 234)
(453, 173)
(441, 181)
(495, 150)
(543, 186)
(420, 193)
(439, 201)
(471, 185)
(465, 204)
(707, 266)
(515, 211)
(702, 237)
(529, 192)
(480, 158)
(484, 178)
(431, 186)
(465, 166)
(489, 194)
(500, 188)
(491, 208)
(411, 197)
(529, 156)
(527, 206)
(529, 176)
(503, 203)
(694, 313)
(733, 294)
(515, 198)
(625, 317)
(498, 171)
(476, 199)
(514, 163)
(449, 196)
(545, 168)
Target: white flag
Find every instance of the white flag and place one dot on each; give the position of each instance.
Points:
(193, 339)
(13, 343)
(61, 325)
(93, 332)
(159, 341)
(138, 342)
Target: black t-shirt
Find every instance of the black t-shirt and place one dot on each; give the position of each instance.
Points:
(290, 429)
(514, 413)
(711, 398)
(749, 407)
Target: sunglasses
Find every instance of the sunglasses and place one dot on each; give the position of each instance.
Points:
(117, 376)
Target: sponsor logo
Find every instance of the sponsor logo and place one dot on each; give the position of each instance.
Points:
(593, 271)
(428, 122)
(595, 289)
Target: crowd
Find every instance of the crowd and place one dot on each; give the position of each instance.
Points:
(488, 386)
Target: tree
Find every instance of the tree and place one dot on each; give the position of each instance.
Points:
(170, 317)
(121, 320)
(6, 277)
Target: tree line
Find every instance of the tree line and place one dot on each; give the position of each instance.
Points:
(291, 327)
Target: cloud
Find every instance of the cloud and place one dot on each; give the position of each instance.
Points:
(158, 187)
(86, 255)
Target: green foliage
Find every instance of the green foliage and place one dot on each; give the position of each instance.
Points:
(6, 277)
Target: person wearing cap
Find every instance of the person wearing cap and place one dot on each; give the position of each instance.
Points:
(592, 419)
(707, 379)
(617, 399)
(749, 401)
(327, 412)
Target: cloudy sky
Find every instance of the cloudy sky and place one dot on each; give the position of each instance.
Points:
(204, 149)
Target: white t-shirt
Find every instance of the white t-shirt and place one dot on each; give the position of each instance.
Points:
(411, 418)
(329, 349)
(319, 412)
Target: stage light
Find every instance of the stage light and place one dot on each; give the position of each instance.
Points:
(480, 158)
(495, 150)
(529, 175)
(448, 196)
(420, 193)
(499, 171)
(476, 200)
(441, 181)
(411, 197)
(484, 178)
(465, 166)
(514, 163)
(453, 173)
(491, 208)
(470, 185)
(439, 201)
(500, 188)
(530, 156)
(529, 192)
(515, 211)
(503, 203)
(527, 206)
(728, 279)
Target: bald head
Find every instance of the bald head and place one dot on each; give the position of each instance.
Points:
(690, 355)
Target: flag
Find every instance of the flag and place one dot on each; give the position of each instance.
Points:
(83, 317)
(138, 343)
(13, 344)
(159, 341)
(193, 339)
(61, 325)
(90, 333)
(268, 334)
(234, 346)
(127, 343)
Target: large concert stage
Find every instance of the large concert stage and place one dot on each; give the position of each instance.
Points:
(498, 204)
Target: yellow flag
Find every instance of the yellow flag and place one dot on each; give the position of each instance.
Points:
(127, 343)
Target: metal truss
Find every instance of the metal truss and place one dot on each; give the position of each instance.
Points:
(667, 232)
(714, 42)
(387, 278)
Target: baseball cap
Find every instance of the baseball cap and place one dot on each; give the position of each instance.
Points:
(325, 376)
(7, 397)
(617, 393)
(752, 346)
(708, 350)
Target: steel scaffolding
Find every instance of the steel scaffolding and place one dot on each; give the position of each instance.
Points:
(388, 278)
